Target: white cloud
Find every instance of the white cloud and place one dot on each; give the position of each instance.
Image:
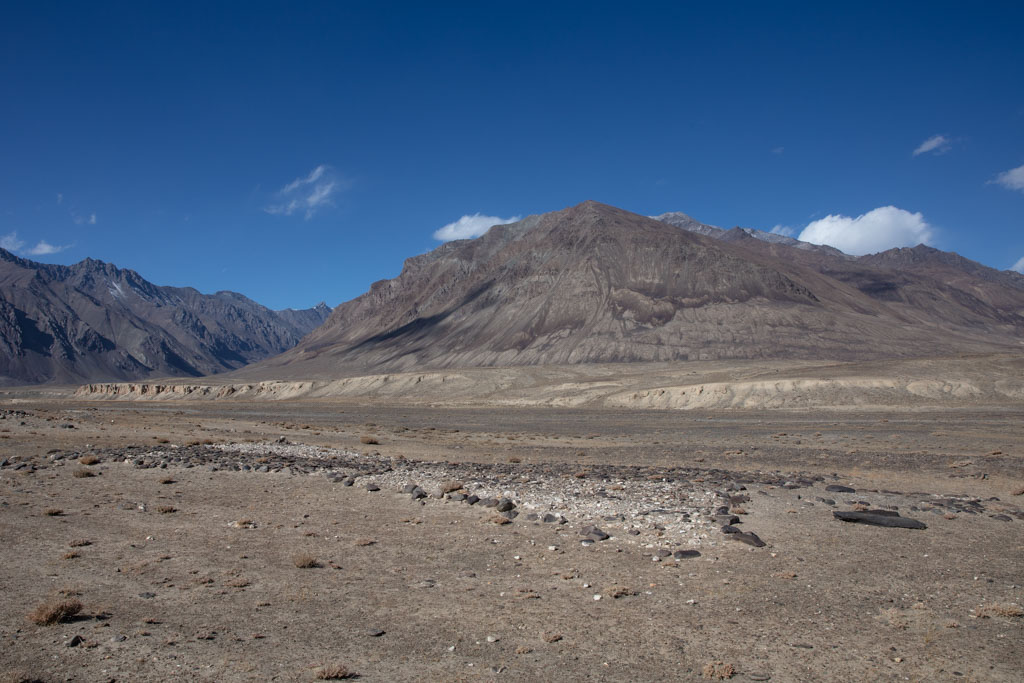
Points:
(877, 230)
(783, 230)
(1019, 266)
(92, 219)
(938, 144)
(10, 242)
(44, 248)
(470, 226)
(60, 197)
(1012, 179)
(778, 150)
(308, 194)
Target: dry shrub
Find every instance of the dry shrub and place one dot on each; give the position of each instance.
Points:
(365, 541)
(368, 441)
(718, 670)
(54, 612)
(515, 460)
(895, 618)
(89, 460)
(79, 543)
(168, 480)
(83, 474)
(16, 676)
(738, 511)
(551, 637)
(53, 512)
(999, 609)
(305, 561)
(523, 650)
(334, 672)
(617, 592)
(500, 519)
(166, 509)
(70, 556)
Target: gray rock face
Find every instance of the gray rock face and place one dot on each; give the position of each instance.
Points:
(594, 284)
(94, 321)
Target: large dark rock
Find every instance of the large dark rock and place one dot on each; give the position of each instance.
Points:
(886, 518)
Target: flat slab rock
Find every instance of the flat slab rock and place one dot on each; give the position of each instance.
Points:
(887, 518)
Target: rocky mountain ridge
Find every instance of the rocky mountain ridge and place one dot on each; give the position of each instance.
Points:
(596, 284)
(92, 321)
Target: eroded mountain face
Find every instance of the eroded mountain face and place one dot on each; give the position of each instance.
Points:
(94, 321)
(593, 283)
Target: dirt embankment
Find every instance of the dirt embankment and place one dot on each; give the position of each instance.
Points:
(935, 383)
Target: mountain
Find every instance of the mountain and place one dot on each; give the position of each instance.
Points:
(681, 220)
(593, 283)
(92, 321)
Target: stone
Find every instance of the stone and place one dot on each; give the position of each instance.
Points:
(1002, 518)
(147, 595)
(836, 488)
(885, 518)
(594, 532)
(750, 538)
(472, 499)
(75, 641)
(729, 529)
(372, 487)
(375, 633)
(685, 554)
(504, 505)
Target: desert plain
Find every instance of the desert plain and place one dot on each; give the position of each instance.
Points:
(309, 532)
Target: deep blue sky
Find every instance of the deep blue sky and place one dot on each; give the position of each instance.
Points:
(161, 136)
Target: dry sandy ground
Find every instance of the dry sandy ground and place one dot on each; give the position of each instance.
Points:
(171, 588)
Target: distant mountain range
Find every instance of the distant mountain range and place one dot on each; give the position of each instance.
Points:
(93, 321)
(593, 283)
(588, 284)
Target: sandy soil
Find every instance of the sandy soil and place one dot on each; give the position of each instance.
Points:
(189, 570)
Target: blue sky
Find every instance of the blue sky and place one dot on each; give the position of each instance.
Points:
(297, 152)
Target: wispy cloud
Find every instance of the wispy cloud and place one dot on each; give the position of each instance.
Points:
(877, 230)
(44, 248)
(936, 144)
(307, 194)
(10, 242)
(778, 150)
(83, 220)
(1012, 179)
(60, 198)
(783, 230)
(470, 226)
(1019, 266)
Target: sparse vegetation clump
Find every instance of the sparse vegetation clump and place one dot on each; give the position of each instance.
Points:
(999, 609)
(718, 671)
(53, 512)
(305, 561)
(368, 440)
(83, 474)
(166, 509)
(54, 612)
(334, 672)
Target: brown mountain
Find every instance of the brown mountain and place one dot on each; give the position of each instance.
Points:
(593, 283)
(93, 321)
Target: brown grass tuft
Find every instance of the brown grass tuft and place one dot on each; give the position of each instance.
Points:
(999, 609)
(368, 440)
(53, 512)
(718, 671)
(89, 460)
(166, 509)
(54, 612)
(499, 520)
(83, 474)
(305, 561)
(334, 672)
(70, 555)
(79, 543)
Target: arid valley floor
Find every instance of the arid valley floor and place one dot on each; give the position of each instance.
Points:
(179, 527)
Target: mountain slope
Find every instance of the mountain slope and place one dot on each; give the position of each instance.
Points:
(93, 321)
(593, 283)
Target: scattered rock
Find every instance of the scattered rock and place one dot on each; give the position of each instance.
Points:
(836, 488)
(886, 518)
(750, 538)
